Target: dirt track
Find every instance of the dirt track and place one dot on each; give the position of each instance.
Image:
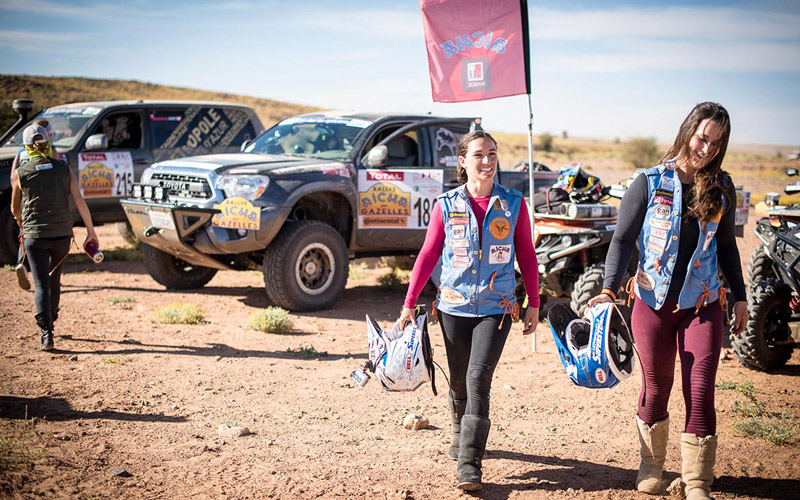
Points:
(149, 398)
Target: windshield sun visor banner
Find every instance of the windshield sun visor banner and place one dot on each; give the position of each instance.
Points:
(476, 49)
(199, 130)
(398, 199)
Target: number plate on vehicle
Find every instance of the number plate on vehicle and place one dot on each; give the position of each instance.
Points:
(161, 220)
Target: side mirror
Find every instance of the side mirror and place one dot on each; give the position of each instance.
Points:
(244, 145)
(791, 172)
(97, 141)
(377, 157)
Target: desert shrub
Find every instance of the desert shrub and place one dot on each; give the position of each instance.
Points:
(564, 134)
(357, 272)
(546, 142)
(178, 313)
(394, 281)
(307, 352)
(754, 420)
(117, 360)
(121, 300)
(271, 320)
(641, 152)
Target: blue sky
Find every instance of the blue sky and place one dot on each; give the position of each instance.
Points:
(599, 68)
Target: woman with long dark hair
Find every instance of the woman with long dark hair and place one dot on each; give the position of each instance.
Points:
(477, 229)
(681, 213)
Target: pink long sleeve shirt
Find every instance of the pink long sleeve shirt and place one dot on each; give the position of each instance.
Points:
(434, 242)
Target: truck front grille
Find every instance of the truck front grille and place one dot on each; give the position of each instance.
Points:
(183, 186)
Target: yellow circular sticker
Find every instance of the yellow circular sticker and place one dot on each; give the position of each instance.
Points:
(500, 227)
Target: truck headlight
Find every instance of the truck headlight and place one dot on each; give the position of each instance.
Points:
(248, 187)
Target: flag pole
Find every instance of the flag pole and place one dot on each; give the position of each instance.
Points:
(531, 191)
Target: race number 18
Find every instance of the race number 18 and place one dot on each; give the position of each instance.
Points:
(423, 206)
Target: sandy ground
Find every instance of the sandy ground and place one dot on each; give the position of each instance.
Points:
(121, 391)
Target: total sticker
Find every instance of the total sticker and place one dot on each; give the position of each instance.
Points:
(499, 254)
(447, 294)
(458, 221)
(459, 231)
(663, 200)
(644, 280)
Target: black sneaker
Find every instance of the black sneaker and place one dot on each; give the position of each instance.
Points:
(47, 341)
(22, 277)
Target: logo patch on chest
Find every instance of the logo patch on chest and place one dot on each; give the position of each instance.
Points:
(499, 254)
(44, 166)
(500, 227)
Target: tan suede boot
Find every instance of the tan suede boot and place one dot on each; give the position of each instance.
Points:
(697, 471)
(653, 443)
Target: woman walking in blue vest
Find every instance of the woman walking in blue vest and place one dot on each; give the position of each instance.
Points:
(682, 215)
(40, 192)
(477, 229)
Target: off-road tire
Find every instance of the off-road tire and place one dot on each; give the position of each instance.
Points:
(590, 284)
(9, 234)
(759, 267)
(124, 229)
(174, 273)
(768, 321)
(306, 266)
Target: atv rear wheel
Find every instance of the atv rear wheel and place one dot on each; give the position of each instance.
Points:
(306, 266)
(759, 267)
(590, 284)
(766, 343)
(174, 273)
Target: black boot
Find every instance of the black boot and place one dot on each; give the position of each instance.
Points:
(46, 326)
(457, 408)
(474, 432)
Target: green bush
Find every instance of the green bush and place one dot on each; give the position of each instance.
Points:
(394, 281)
(546, 142)
(178, 313)
(271, 320)
(641, 152)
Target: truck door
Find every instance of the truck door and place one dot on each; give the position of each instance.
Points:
(395, 199)
(108, 175)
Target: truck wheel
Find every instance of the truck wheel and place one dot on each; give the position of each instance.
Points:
(305, 268)
(766, 343)
(9, 234)
(174, 273)
(590, 283)
(124, 229)
(760, 266)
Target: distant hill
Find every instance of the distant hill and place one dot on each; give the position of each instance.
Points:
(50, 91)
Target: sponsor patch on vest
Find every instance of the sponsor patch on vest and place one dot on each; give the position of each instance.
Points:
(660, 224)
(644, 280)
(663, 200)
(460, 251)
(461, 262)
(662, 211)
(44, 166)
(457, 221)
(500, 227)
(460, 204)
(459, 231)
(454, 215)
(499, 254)
(459, 243)
(656, 248)
(667, 183)
(447, 294)
(500, 205)
(664, 193)
(709, 237)
(658, 233)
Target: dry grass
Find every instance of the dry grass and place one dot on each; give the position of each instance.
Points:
(178, 313)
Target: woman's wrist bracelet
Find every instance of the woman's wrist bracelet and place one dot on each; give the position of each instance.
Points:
(609, 293)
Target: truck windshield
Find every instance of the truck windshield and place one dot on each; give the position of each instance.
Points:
(68, 123)
(314, 137)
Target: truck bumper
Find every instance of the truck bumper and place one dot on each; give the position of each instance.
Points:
(187, 232)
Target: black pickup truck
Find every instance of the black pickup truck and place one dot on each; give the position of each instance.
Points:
(300, 200)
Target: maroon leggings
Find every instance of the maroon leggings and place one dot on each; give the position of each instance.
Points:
(698, 340)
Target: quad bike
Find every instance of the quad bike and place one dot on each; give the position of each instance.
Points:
(773, 274)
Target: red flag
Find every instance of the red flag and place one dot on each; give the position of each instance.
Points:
(477, 49)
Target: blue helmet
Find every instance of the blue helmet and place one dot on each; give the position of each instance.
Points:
(596, 353)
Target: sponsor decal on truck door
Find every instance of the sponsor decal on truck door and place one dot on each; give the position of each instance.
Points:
(399, 199)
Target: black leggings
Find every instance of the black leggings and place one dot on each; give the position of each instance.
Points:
(43, 254)
(473, 346)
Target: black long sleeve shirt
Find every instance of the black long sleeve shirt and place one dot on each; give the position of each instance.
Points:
(632, 211)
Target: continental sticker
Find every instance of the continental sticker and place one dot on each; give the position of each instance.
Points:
(499, 254)
(400, 199)
(105, 174)
(644, 280)
(237, 213)
(664, 193)
(500, 227)
(457, 215)
(451, 296)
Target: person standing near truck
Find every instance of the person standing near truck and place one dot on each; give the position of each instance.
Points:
(40, 192)
(477, 229)
(682, 214)
(21, 268)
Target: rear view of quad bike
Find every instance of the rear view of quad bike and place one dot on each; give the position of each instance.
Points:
(773, 303)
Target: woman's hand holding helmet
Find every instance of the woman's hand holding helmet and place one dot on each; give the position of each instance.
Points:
(598, 299)
(406, 317)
